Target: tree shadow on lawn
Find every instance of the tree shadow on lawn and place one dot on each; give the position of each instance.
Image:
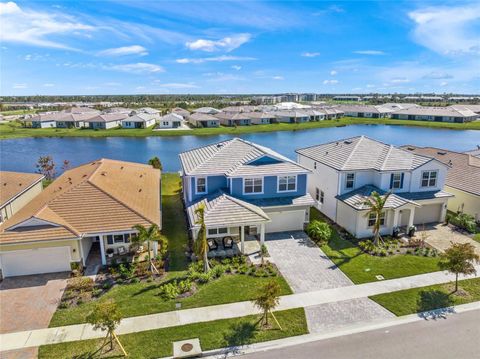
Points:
(239, 335)
(434, 304)
(101, 352)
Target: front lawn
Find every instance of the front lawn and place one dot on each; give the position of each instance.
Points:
(428, 298)
(362, 268)
(143, 298)
(215, 334)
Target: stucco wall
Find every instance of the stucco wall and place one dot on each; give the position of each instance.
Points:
(11, 208)
(463, 201)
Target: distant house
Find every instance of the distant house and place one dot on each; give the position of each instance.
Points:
(347, 98)
(181, 112)
(463, 178)
(140, 120)
(475, 152)
(315, 115)
(147, 110)
(207, 110)
(203, 120)
(438, 114)
(88, 210)
(74, 117)
(172, 120)
(42, 120)
(262, 118)
(106, 121)
(292, 116)
(234, 118)
(368, 111)
(17, 189)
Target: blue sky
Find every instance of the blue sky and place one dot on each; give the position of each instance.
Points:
(131, 47)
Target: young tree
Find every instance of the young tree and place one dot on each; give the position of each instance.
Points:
(201, 244)
(155, 163)
(150, 234)
(46, 167)
(267, 299)
(376, 203)
(459, 258)
(66, 165)
(106, 316)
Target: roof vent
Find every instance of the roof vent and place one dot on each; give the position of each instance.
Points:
(326, 153)
(411, 148)
(442, 153)
(219, 145)
(347, 142)
(140, 190)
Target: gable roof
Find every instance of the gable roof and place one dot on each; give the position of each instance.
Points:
(464, 169)
(363, 153)
(140, 117)
(101, 196)
(14, 183)
(108, 117)
(357, 198)
(236, 157)
(171, 117)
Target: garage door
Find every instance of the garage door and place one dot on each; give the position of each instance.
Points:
(427, 214)
(35, 261)
(285, 221)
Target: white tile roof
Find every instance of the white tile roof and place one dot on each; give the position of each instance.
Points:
(357, 198)
(363, 153)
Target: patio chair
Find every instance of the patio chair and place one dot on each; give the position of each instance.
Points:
(227, 242)
(212, 244)
(121, 250)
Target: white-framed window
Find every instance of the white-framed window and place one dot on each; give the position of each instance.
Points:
(287, 183)
(217, 231)
(314, 165)
(372, 218)
(119, 238)
(319, 195)
(253, 185)
(200, 185)
(429, 178)
(396, 181)
(350, 180)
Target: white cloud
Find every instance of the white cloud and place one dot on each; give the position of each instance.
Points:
(227, 44)
(438, 75)
(237, 67)
(213, 59)
(310, 54)
(278, 77)
(333, 73)
(400, 80)
(330, 82)
(48, 85)
(448, 30)
(370, 86)
(137, 68)
(179, 85)
(19, 86)
(125, 50)
(369, 52)
(444, 83)
(34, 27)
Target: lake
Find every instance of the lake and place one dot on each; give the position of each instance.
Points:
(22, 154)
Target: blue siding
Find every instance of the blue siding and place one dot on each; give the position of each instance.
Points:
(214, 183)
(270, 188)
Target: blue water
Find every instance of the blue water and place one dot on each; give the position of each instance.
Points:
(22, 154)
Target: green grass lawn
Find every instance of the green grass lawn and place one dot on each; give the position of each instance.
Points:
(14, 130)
(212, 335)
(476, 237)
(142, 298)
(362, 268)
(427, 298)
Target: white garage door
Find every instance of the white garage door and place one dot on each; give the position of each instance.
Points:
(427, 214)
(285, 221)
(35, 261)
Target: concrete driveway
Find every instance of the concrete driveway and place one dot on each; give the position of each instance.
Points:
(306, 268)
(28, 302)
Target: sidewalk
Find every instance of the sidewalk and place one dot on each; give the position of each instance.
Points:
(33, 338)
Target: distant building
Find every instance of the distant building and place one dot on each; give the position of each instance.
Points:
(438, 114)
(106, 121)
(140, 120)
(203, 120)
(172, 120)
(368, 111)
(347, 98)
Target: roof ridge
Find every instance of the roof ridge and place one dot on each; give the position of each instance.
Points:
(327, 143)
(390, 149)
(362, 137)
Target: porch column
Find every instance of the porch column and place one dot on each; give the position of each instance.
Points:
(242, 239)
(155, 248)
(396, 214)
(443, 213)
(262, 234)
(410, 218)
(102, 251)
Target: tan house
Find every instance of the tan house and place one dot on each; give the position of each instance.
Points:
(93, 205)
(463, 178)
(17, 189)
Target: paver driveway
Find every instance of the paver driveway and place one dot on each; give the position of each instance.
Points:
(440, 236)
(306, 268)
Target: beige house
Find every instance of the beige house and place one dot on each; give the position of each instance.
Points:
(17, 189)
(91, 206)
(463, 178)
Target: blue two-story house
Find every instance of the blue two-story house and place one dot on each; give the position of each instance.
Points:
(246, 189)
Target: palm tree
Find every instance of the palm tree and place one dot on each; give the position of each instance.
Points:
(376, 203)
(148, 235)
(201, 244)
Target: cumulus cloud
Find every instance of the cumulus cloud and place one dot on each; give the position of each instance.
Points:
(310, 54)
(227, 44)
(178, 85)
(237, 67)
(48, 85)
(213, 59)
(369, 52)
(278, 78)
(330, 82)
(448, 30)
(333, 73)
(37, 28)
(400, 80)
(138, 68)
(125, 50)
(19, 86)
(437, 75)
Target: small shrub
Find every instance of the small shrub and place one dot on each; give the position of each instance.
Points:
(217, 271)
(204, 278)
(81, 284)
(135, 280)
(63, 305)
(184, 286)
(107, 285)
(79, 301)
(243, 269)
(96, 292)
(319, 231)
(169, 291)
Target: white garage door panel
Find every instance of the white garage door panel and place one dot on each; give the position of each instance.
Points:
(36, 261)
(285, 221)
(427, 214)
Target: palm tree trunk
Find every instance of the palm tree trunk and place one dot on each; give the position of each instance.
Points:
(206, 266)
(456, 282)
(111, 340)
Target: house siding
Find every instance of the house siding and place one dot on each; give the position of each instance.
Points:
(270, 188)
(14, 206)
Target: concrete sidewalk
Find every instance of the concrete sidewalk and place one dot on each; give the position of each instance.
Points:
(70, 333)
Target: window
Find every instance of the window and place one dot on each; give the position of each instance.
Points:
(349, 180)
(201, 185)
(127, 238)
(109, 239)
(287, 183)
(165, 123)
(396, 180)
(118, 238)
(319, 195)
(322, 197)
(217, 231)
(429, 179)
(314, 165)
(253, 185)
(372, 218)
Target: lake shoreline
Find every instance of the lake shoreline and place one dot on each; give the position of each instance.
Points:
(11, 131)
